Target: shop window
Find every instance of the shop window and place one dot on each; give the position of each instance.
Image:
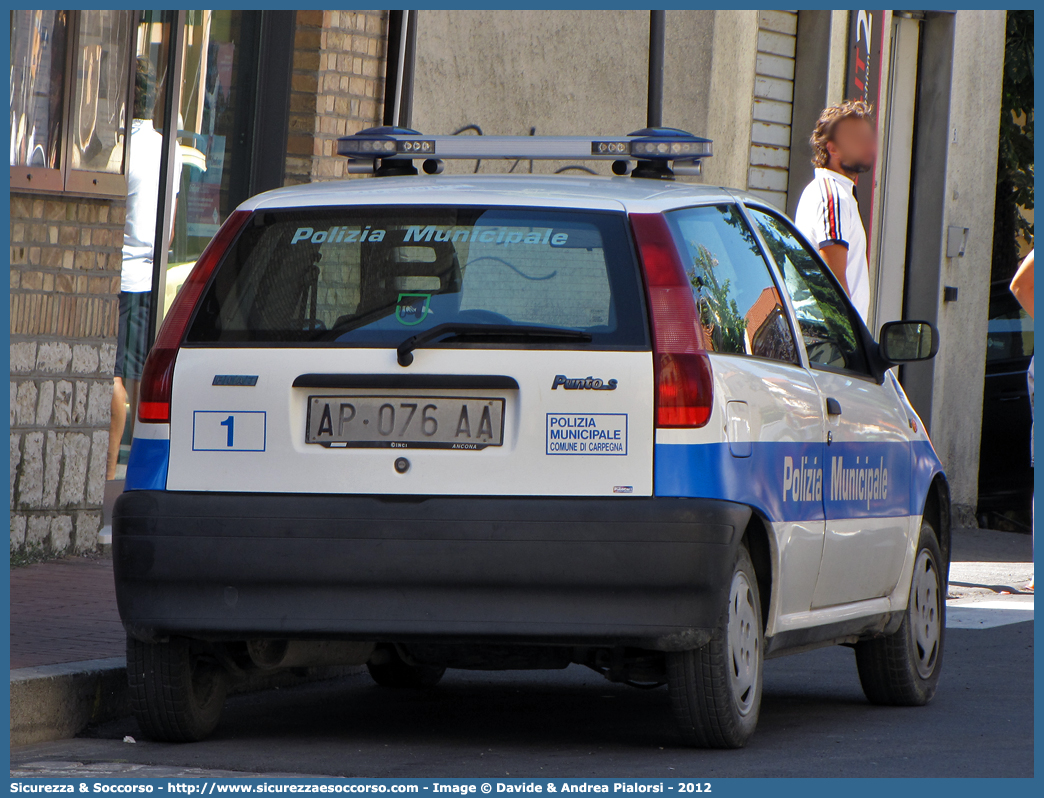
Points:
(71, 84)
(38, 66)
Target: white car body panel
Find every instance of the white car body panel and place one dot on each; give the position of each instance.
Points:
(875, 542)
(530, 191)
(520, 467)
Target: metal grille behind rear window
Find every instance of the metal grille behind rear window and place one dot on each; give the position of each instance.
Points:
(373, 276)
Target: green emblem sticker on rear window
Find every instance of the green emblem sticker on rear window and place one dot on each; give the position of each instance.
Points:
(412, 308)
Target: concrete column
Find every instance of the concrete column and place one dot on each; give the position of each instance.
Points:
(731, 97)
(955, 168)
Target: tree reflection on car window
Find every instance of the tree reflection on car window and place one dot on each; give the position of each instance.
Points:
(822, 313)
(739, 306)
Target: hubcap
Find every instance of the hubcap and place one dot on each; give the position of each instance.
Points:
(924, 614)
(744, 644)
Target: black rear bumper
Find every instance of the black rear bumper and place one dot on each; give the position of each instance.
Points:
(652, 573)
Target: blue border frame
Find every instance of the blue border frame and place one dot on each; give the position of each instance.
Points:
(547, 439)
(233, 414)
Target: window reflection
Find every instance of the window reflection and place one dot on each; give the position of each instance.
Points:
(99, 111)
(206, 125)
(739, 307)
(823, 315)
(38, 45)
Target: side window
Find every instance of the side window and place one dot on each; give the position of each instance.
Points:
(740, 308)
(823, 315)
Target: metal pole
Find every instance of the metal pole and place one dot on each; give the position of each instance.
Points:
(396, 117)
(391, 71)
(657, 36)
(171, 107)
(409, 65)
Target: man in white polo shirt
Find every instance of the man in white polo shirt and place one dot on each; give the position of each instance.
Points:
(844, 145)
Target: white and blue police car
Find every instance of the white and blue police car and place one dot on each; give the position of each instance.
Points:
(422, 422)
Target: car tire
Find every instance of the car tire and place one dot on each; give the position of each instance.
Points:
(396, 672)
(177, 691)
(902, 669)
(716, 690)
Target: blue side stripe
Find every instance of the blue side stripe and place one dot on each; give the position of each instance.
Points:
(844, 480)
(147, 464)
(924, 467)
(711, 471)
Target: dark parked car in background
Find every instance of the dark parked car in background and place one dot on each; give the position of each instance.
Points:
(1005, 474)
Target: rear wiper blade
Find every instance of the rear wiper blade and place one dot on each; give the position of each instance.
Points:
(355, 322)
(404, 351)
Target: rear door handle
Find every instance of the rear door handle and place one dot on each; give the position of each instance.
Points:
(833, 407)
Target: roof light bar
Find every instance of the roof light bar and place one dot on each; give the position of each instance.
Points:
(649, 144)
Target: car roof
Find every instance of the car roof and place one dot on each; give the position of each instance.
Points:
(582, 192)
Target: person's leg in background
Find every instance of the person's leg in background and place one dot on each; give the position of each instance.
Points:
(131, 349)
(118, 411)
(1022, 288)
(137, 348)
(132, 397)
(117, 421)
(1033, 498)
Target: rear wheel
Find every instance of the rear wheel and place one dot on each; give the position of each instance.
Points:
(177, 689)
(392, 670)
(902, 669)
(716, 690)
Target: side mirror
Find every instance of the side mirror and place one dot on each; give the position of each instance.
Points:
(908, 341)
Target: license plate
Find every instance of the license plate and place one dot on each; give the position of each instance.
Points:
(405, 422)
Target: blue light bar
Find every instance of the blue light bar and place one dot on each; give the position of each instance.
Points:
(649, 144)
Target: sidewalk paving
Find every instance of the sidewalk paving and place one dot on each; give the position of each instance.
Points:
(64, 611)
(67, 639)
(986, 563)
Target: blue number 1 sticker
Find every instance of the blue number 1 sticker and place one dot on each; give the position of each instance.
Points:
(229, 422)
(228, 430)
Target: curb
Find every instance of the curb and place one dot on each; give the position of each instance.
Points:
(55, 701)
(52, 702)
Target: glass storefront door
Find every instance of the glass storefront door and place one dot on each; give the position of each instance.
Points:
(210, 60)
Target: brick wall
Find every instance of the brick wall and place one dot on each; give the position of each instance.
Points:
(337, 88)
(65, 280)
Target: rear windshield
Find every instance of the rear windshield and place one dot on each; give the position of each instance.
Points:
(375, 276)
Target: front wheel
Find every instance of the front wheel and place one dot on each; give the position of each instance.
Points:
(716, 690)
(177, 689)
(902, 669)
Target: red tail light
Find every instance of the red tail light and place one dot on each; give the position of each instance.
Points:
(684, 388)
(157, 377)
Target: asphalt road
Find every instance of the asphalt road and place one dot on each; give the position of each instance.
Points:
(814, 722)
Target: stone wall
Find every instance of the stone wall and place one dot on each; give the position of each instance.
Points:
(337, 88)
(65, 282)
